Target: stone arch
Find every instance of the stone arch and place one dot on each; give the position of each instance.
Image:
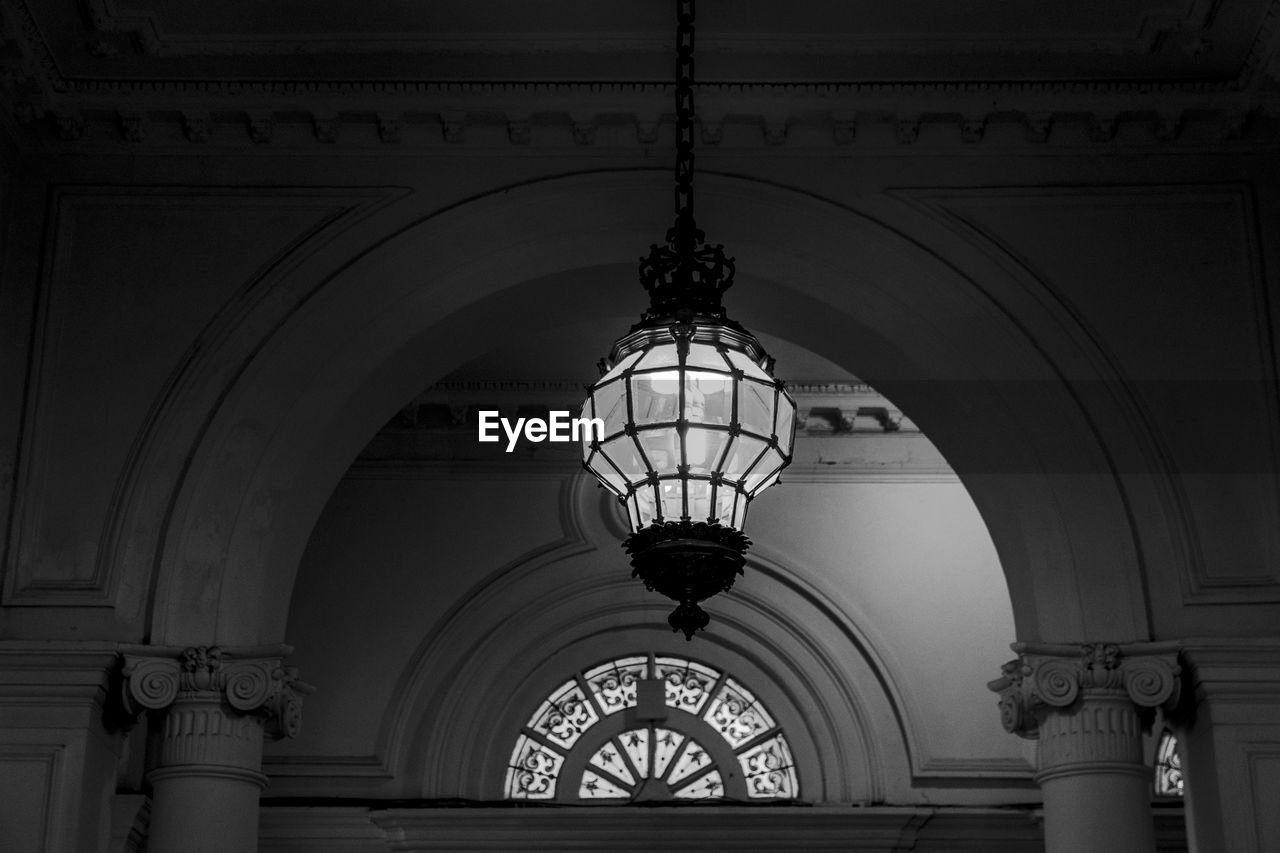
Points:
(980, 373)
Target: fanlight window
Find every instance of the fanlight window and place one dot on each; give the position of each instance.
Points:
(708, 738)
(1168, 781)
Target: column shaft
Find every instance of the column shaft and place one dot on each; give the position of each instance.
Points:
(1090, 758)
(205, 791)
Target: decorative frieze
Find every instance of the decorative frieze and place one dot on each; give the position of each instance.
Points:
(1102, 127)
(325, 126)
(906, 129)
(133, 125)
(197, 126)
(647, 131)
(519, 130)
(390, 127)
(262, 126)
(972, 128)
(844, 127)
(453, 126)
(1038, 126)
(69, 126)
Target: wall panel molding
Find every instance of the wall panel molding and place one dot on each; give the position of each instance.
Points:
(54, 423)
(1140, 395)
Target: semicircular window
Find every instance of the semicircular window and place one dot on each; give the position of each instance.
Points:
(646, 729)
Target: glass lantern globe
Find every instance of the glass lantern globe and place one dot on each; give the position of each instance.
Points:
(694, 424)
(694, 427)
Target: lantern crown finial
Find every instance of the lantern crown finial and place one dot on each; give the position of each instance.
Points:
(685, 276)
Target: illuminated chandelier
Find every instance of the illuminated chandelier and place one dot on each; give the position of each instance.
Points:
(695, 424)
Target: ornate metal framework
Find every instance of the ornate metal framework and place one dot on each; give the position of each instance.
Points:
(695, 424)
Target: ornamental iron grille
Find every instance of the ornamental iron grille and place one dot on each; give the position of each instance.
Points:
(1168, 770)
(706, 737)
(695, 425)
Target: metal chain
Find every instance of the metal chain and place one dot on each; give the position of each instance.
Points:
(684, 121)
(686, 276)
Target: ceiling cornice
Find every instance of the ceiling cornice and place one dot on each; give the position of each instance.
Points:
(59, 106)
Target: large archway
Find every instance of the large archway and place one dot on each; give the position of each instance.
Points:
(956, 354)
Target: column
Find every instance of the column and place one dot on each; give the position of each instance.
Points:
(212, 707)
(1087, 706)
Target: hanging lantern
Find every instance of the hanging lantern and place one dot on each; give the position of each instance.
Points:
(695, 425)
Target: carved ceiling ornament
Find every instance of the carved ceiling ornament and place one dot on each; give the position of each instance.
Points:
(247, 681)
(1049, 677)
(1174, 63)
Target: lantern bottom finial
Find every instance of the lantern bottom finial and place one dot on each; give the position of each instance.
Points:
(688, 562)
(688, 617)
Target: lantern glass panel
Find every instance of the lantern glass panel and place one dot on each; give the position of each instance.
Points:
(786, 423)
(611, 406)
(739, 516)
(699, 499)
(755, 407)
(662, 356)
(707, 397)
(769, 481)
(622, 450)
(655, 397)
(646, 506)
(705, 355)
(662, 448)
(672, 492)
(623, 363)
(703, 448)
(744, 363)
(600, 466)
(633, 512)
(742, 455)
(768, 465)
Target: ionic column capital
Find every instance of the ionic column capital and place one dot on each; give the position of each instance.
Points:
(253, 682)
(1047, 677)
